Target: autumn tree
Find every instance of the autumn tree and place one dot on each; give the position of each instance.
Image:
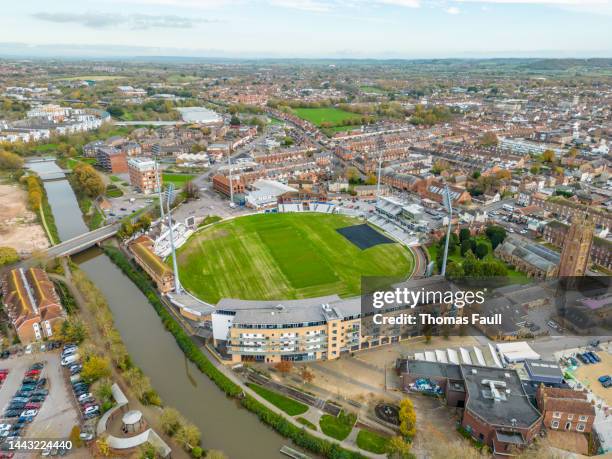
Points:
(352, 175)
(8, 255)
(88, 180)
(95, 368)
(306, 375)
(73, 330)
(371, 180)
(171, 421)
(488, 139)
(188, 435)
(407, 418)
(398, 448)
(284, 366)
(10, 161)
(548, 156)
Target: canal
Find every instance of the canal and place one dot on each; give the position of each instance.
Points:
(223, 423)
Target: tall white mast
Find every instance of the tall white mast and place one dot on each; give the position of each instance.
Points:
(177, 283)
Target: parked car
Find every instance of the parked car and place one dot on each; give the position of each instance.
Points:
(583, 359)
(91, 415)
(86, 436)
(43, 392)
(84, 396)
(42, 382)
(86, 401)
(37, 366)
(17, 406)
(69, 359)
(28, 349)
(29, 413)
(5, 427)
(5, 354)
(91, 409)
(32, 406)
(38, 398)
(33, 372)
(12, 413)
(594, 356)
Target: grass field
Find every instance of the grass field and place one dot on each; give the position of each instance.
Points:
(372, 442)
(337, 427)
(318, 116)
(288, 405)
(72, 162)
(178, 179)
(283, 256)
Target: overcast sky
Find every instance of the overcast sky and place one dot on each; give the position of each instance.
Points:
(309, 28)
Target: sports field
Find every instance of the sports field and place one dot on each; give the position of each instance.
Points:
(283, 256)
(319, 116)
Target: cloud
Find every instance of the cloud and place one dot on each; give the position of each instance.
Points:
(98, 20)
(303, 5)
(544, 2)
(453, 10)
(404, 3)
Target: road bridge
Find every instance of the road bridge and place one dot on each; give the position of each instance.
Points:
(82, 242)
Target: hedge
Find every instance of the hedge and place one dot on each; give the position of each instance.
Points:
(300, 437)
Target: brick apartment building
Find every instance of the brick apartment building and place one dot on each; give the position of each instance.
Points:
(221, 183)
(112, 160)
(565, 409)
(160, 272)
(143, 174)
(32, 304)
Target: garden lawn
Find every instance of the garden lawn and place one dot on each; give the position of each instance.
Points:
(178, 179)
(288, 405)
(318, 116)
(337, 427)
(283, 256)
(372, 442)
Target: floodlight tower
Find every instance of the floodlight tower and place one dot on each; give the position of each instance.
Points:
(177, 283)
(231, 183)
(448, 205)
(378, 180)
(159, 191)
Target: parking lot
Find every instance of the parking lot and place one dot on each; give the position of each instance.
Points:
(57, 414)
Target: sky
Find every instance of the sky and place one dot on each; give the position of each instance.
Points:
(308, 28)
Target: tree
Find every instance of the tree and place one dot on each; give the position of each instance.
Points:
(10, 161)
(464, 234)
(407, 418)
(482, 249)
(454, 271)
(214, 454)
(8, 255)
(171, 421)
(95, 368)
(465, 246)
(572, 153)
(88, 180)
(548, 156)
(235, 121)
(147, 451)
(103, 447)
(191, 190)
(496, 235)
(188, 435)
(284, 366)
(73, 330)
(488, 139)
(352, 175)
(535, 169)
(371, 180)
(306, 375)
(398, 448)
(476, 175)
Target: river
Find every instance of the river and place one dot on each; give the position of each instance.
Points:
(223, 423)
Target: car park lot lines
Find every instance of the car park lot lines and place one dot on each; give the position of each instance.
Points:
(57, 414)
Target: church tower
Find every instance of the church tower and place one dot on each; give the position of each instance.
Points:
(576, 247)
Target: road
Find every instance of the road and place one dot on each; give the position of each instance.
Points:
(83, 241)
